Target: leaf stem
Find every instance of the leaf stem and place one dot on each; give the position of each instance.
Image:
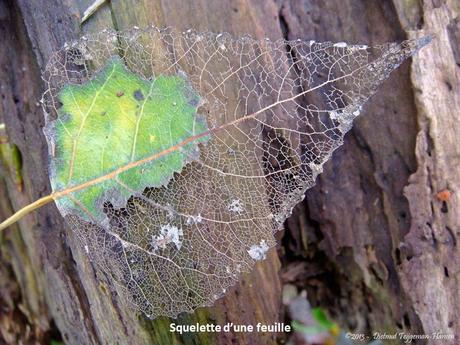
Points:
(26, 210)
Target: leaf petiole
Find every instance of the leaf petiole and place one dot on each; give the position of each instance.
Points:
(26, 210)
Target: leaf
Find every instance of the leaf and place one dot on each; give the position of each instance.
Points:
(311, 330)
(115, 119)
(321, 324)
(241, 128)
(321, 318)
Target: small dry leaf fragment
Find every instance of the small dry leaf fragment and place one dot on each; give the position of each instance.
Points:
(443, 195)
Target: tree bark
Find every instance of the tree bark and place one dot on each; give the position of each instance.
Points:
(375, 243)
(389, 238)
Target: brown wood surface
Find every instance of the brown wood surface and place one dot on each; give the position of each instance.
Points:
(374, 243)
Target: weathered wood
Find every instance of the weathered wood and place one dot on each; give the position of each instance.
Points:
(82, 304)
(381, 248)
(390, 243)
(430, 272)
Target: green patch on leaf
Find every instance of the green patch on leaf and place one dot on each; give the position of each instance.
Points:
(112, 120)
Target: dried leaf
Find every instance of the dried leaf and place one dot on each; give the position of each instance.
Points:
(175, 221)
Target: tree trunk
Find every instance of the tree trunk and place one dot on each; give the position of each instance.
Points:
(374, 242)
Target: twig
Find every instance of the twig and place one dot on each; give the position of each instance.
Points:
(91, 9)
